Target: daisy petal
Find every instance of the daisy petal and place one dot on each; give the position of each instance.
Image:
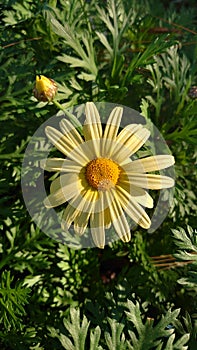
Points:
(132, 208)
(107, 218)
(152, 163)
(92, 125)
(65, 145)
(60, 164)
(151, 181)
(98, 233)
(84, 202)
(92, 128)
(129, 141)
(113, 123)
(62, 189)
(102, 205)
(97, 223)
(90, 148)
(69, 131)
(141, 196)
(125, 135)
(68, 217)
(118, 217)
(111, 130)
(81, 222)
(86, 208)
(62, 143)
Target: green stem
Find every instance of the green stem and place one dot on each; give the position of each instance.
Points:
(86, 16)
(8, 156)
(72, 118)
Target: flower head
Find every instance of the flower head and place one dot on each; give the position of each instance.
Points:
(45, 88)
(99, 181)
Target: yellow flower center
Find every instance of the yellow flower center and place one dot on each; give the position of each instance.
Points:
(102, 173)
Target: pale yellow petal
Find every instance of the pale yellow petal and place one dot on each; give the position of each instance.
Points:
(118, 218)
(59, 182)
(98, 234)
(78, 155)
(84, 201)
(87, 149)
(107, 218)
(123, 138)
(101, 204)
(86, 208)
(66, 146)
(129, 143)
(151, 181)
(113, 123)
(62, 189)
(81, 222)
(81, 204)
(141, 196)
(138, 193)
(68, 217)
(132, 208)
(92, 124)
(95, 147)
(152, 163)
(60, 164)
(92, 128)
(99, 207)
(97, 223)
(59, 140)
(111, 130)
(70, 131)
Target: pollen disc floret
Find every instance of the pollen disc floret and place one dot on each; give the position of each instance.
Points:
(102, 173)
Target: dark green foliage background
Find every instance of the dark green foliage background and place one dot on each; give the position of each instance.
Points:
(141, 54)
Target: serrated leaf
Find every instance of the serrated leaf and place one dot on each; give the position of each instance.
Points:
(95, 338)
(105, 42)
(190, 281)
(115, 340)
(187, 244)
(148, 336)
(77, 331)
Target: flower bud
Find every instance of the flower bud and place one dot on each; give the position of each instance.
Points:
(193, 92)
(45, 88)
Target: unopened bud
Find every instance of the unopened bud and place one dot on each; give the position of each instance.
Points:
(193, 92)
(45, 88)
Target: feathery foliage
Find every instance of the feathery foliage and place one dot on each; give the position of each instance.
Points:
(140, 295)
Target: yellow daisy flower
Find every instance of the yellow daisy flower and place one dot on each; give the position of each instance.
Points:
(99, 181)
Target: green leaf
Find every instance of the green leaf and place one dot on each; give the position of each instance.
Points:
(77, 331)
(95, 338)
(12, 301)
(190, 281)
(148, 335)
(187, 244)
(116, 340)
(82, 45)
(179, 344)
(148, 56)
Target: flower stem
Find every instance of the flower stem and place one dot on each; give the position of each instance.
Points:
(11, 156)
(72, 118)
